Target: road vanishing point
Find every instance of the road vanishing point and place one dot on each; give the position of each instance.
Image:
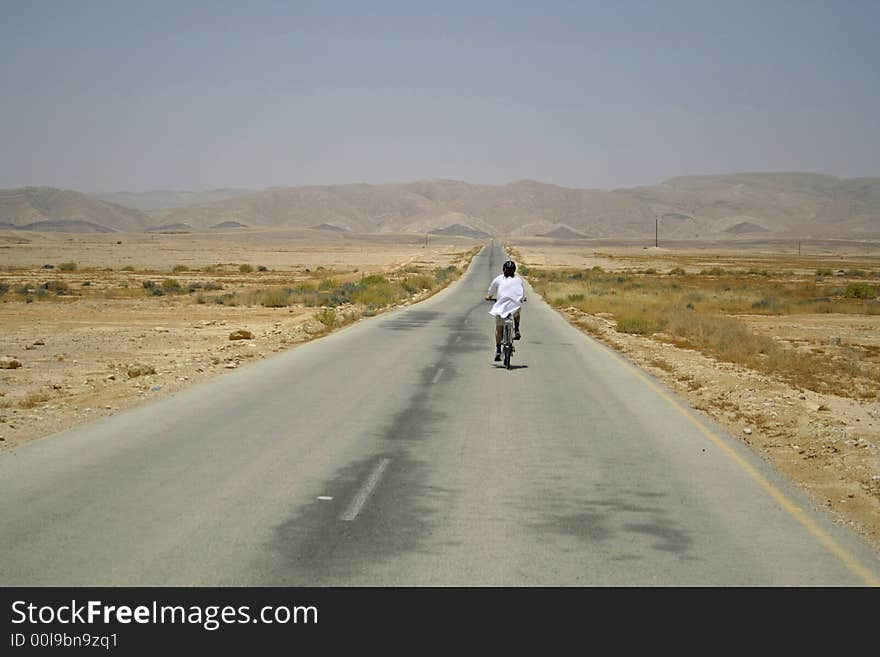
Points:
(396, 452)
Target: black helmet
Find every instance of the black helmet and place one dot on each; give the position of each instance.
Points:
(508, 268)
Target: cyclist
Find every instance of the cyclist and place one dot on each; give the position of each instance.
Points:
(508, 290)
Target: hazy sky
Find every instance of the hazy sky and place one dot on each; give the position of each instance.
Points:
(111, 96)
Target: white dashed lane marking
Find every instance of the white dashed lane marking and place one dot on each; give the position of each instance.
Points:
(365, 491)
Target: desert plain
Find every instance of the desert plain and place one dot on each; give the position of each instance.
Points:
(93, 324)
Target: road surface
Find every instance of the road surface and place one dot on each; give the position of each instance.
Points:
(396, 452)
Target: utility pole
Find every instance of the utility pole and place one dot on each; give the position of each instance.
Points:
(656, 230)
(799, 247)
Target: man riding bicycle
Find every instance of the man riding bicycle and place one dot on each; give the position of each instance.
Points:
(509, 292)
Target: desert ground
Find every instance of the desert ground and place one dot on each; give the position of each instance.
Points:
(93, 324)
(817, 420)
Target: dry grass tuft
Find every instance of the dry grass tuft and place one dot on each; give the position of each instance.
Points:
(33, 399)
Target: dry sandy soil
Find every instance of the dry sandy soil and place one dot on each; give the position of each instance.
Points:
(827, 444)
(108, 345)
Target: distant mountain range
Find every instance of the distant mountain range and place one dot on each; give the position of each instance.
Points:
(164, 199)
(718, 206)
(66, 209)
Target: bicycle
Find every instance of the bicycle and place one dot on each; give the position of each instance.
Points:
(507, 331)
(507, 340)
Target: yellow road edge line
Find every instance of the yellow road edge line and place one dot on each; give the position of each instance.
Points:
(853, 564)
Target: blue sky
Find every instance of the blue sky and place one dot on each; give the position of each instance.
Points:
(111, 96)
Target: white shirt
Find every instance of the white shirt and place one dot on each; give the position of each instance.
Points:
(509, 292)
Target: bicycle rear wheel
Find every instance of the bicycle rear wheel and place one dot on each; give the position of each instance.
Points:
(507, 343)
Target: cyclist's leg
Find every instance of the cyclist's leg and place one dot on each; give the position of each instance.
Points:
(516, 316)
(499, 327)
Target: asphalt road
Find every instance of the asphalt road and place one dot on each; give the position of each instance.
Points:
(396, 452)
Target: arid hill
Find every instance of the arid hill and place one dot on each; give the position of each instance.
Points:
(789, 204)
(736, 206)
(61, 226)
(28, 206)
(168, 199)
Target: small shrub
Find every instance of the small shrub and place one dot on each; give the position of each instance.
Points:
(67, 266)
(327, 284)
(86, 284)
(171, 285)
(262, 268)
(376, 296)
(327, 317)
(33, 399)
(637, 324)
(149, 285)
(677, 271)
(58, 287)
(179, 268)
(417, 284)
(769, 304)
(277, 298)
(4, 288)
(245, 269)
(860, 291)
(575, 297)
(128, 268)
(441, 275)
(373, 279)
(823, 272)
